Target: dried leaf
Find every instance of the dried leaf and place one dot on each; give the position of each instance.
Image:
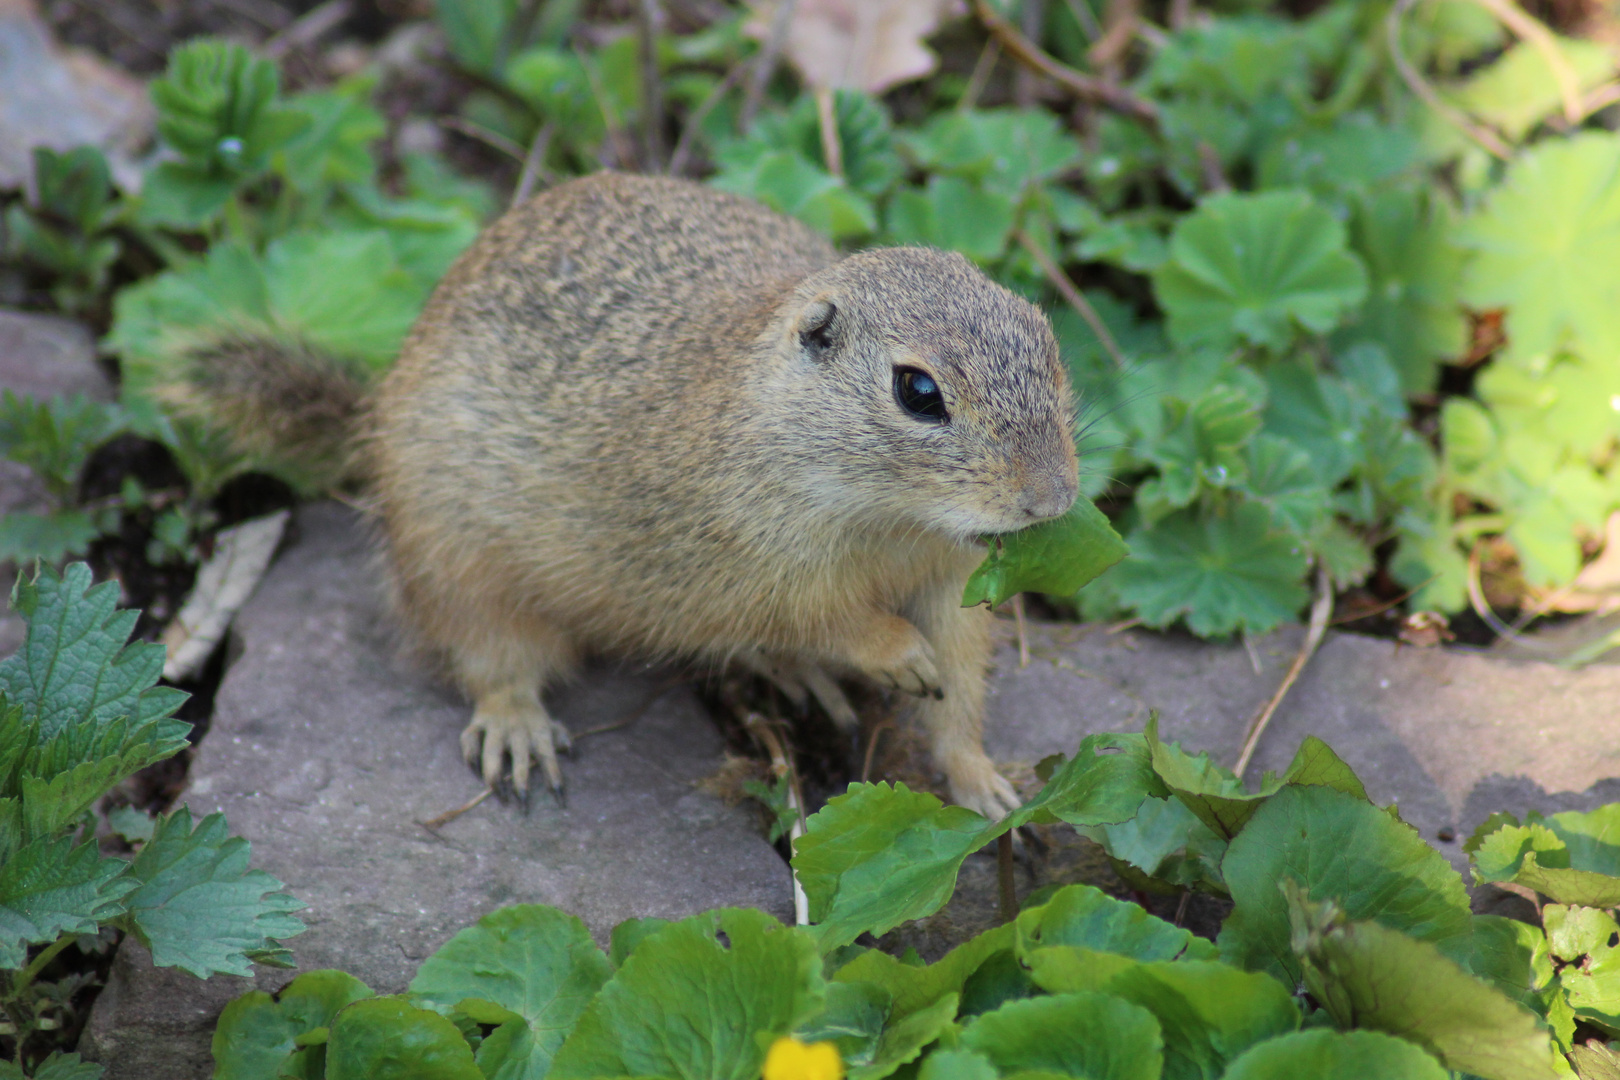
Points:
(241, 554)
(869, 45)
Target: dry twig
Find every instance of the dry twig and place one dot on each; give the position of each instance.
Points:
(765, 64)
(980, 76)
(1321, 612)
(652, 86)
(1420, 86)
(1535, 33)
(309, 28)
(782, 766)
(832, 149)
(1088, 87)
(534, 164)
(1076, 299)
(694, 122)
(1023, 636)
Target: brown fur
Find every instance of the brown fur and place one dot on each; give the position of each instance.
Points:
(606, 434)
(613, 429)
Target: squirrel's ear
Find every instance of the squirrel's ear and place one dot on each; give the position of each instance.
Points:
(816, 327)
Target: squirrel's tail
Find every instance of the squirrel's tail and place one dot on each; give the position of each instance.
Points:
(293, 409)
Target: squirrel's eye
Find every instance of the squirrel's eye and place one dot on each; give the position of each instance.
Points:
(919, 395)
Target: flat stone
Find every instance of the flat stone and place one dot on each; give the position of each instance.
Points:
(62, 98)
(1449, 734)
(44, 356)
(329, 747)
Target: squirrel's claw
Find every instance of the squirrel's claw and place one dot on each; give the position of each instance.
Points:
(976, 784)
(520, 736)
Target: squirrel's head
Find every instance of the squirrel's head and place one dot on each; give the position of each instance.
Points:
(920, 393)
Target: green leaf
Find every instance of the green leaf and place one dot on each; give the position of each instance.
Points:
(1218, 797)
(1519, 89)
(52, 887)
(1370, 976)
(853, 1020)
(1006, 150)
(335, 145)
(1090, 1035)
(957, 1065)
(74, 186)
(217, 106)
(1057, 557)
(83, 713)
(1538, 855)
(1335, 1055)
(1406, 238)
(1104, 783)
(1165, 841)
(879, 855)
(1595, 1061)
(1281, 479)
(1084, 916)
(56, 436)
(629, 935)
(913, 987)
(60, 1066)
(199, 907)
(389, 1039)
(257, 1035)
(903, 1041)
(1210, 1013)
(48, 537)
(1581, 937)
(1222, 572)
(690, 1005)
(1513, 957)
(1341, 847)
(1257, 269)
(1542, 245)
(528, 959)
(956, 214)
(477, 31)
(183, 196)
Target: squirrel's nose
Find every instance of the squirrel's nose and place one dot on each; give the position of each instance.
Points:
(1051, 495)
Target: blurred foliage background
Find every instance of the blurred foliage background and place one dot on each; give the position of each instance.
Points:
(1339, 282)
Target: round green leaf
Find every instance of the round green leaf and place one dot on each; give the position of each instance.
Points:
(1092, 1035)
(699, 1000)
(528, 959)
(257, 1033)
(1335, 1055)
(1256, 270)
(1543, 247)
(389, 1039)
(1222, 572)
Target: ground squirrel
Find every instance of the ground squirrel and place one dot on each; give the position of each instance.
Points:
(643, 417)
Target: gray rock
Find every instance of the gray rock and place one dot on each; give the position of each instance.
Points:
(327, 750)
(44, 356)
(1451, 734)
(62, 98)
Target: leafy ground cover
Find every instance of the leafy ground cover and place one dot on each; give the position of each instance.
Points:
(81, 711)
(1350, 951)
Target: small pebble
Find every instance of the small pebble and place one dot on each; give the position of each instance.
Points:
(1447, 834)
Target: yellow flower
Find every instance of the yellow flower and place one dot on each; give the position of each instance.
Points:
(790, 1059)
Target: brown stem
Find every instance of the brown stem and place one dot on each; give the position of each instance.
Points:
(533, 164)
(652, 87)
(1076, 299)
(832, 148)
(1321, 612)
(982, 67)
(1420, 86)
(694, 122)
(765, 65)
(1027, 86)
(1078, 83)
(1008, 901)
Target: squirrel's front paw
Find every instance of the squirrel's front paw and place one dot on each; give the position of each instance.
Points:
(977, 785)
(895, 654)
(520, 732)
